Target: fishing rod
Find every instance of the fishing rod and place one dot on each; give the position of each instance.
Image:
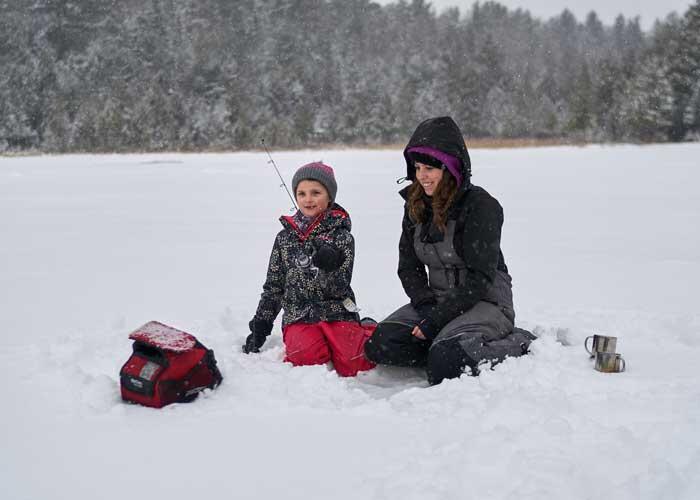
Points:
(284, 184)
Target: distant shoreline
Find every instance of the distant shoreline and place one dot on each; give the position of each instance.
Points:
(481, 143)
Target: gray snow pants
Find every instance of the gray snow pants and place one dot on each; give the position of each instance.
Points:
(482, 334)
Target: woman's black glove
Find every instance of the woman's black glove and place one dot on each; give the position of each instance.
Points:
(326, 256)
(428, 328)
(426, 325)
(259, 330)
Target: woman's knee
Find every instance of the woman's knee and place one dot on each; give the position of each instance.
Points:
(375, 345)
(446, 360)
(393, 344)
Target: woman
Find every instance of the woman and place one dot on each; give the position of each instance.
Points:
(461, 311)
(309, 276)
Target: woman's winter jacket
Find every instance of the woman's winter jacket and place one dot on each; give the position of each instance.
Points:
(464, 263)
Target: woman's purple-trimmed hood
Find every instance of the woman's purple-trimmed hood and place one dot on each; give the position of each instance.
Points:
(440, 138)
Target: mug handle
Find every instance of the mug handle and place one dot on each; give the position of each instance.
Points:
(585, 345)
(624, 365)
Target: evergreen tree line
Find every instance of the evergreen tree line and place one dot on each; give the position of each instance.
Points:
(149, 75)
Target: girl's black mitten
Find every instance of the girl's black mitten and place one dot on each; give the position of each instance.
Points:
(259, 330)
(326, 257)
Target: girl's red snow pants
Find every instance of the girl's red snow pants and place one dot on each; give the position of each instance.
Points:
(341, 342)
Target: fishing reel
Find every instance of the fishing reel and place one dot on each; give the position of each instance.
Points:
(305, 261)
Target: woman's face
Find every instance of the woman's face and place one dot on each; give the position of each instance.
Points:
(312, 198)
(429, 177)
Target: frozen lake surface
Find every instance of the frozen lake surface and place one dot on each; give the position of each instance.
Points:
(598, 240)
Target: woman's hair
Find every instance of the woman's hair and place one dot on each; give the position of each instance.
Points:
(443, 197)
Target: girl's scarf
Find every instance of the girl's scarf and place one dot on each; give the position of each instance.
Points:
(302, 221)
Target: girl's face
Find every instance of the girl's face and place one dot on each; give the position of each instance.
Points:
(429, 177)
(312, 198)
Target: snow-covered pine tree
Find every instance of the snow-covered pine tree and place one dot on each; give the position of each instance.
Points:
(684, 70)
(581, 118)
(609, 96)
(647, 110)
(691, 40)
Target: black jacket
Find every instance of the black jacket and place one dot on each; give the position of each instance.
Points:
(308, 294)
(477, 239)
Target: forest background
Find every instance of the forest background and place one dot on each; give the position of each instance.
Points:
(213, 75)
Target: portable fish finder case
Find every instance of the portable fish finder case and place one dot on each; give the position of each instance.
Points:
(167, 366)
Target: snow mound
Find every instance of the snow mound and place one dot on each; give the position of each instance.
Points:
(164, 336)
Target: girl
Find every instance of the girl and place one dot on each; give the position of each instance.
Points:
(450, 265)
(309, 277)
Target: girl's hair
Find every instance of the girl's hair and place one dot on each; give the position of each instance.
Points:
(443, 197)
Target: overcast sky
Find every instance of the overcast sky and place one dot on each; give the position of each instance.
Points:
(607, 10)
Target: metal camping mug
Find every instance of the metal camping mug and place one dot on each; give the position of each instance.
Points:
(600, 343)
(609, 362)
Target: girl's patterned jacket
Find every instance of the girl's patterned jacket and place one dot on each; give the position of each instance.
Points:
(308, 294)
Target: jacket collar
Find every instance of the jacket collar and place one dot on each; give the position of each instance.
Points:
(334, 216)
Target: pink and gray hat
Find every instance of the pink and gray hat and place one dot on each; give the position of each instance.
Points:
(316, 171)
(436, 158)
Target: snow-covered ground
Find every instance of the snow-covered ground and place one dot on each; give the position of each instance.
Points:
(598, 239)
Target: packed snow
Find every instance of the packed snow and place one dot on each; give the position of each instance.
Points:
(164, 336)
(599, 239)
